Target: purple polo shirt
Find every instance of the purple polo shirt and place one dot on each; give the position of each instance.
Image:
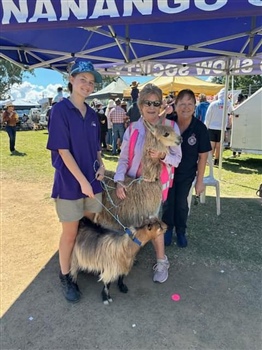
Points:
(81, 136)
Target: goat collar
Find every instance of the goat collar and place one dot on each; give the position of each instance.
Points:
(132, 236)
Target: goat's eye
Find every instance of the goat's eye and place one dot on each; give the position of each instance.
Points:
(166, 134)
(149, 226)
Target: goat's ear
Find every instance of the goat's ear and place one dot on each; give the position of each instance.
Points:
(166, 134)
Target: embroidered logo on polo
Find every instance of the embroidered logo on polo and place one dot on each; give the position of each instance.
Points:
(93, 123)
(192, 140)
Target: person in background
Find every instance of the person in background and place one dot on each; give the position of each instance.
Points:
(10, 119)
(195, 148)
(59, 97)
(149, 103)
(240, 99)
(124, 107)
(214, 120)
(201, 108)
(109, 135)
(124, 104)
(169, 105)
(1, 118)
(117, 116)
(103, 123)
(133, 112)
(134, 91)
(74, 142)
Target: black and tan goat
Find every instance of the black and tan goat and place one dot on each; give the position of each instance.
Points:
(143, 195)
(110, 253)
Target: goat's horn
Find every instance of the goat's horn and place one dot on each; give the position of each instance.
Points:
(149, 126)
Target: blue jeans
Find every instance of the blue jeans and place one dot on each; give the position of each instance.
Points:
(11, 131)
(118, 132)
(109, 137)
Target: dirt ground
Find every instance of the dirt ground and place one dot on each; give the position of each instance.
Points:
(30, 235)
(219, 309)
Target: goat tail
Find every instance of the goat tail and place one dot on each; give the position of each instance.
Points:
(74, 266)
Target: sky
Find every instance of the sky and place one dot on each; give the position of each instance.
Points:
(45, 83)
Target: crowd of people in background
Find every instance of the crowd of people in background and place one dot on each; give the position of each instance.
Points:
(115, 115)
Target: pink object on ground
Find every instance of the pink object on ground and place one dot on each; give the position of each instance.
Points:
(175, 297)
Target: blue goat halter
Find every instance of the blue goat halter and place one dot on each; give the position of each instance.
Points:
(132, 236)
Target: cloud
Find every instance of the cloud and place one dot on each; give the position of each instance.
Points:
(33, 93)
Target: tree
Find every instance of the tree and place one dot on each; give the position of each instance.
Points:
(9, 75)
(247, 83)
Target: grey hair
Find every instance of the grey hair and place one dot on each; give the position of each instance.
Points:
(148, 89)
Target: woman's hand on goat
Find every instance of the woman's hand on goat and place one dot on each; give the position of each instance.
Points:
(154, 154)
(120, 190)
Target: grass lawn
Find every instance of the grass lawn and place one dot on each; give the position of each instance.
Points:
(234, 237)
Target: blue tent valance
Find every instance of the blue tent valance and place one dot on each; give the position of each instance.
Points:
(135, 37)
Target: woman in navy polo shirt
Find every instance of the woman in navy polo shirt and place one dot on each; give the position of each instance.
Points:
(74, 142)
(195, 148)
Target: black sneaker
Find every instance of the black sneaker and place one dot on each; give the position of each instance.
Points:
(70, 288)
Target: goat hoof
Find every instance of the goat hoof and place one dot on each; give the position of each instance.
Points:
(107, 301)
(123, 288)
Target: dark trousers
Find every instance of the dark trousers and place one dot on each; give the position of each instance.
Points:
(11, 131)
(103, 138)
(175, 208)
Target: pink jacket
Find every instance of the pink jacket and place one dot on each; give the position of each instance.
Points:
(129, 167)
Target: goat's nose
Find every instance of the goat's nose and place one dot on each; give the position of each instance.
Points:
(179, 140)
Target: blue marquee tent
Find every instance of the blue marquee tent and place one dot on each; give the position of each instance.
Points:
(135, 37)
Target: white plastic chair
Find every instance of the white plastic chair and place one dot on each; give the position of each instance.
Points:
(208, 180)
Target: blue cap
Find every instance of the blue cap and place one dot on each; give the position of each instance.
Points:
(85, 67)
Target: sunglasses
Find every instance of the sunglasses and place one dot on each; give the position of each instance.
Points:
(154, 103)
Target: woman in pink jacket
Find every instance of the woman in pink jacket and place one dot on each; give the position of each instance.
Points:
(149, 103)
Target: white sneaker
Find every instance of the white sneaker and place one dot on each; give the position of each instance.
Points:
(161, 270)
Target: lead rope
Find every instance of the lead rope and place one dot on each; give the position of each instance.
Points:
(105, 187)
(126, 229)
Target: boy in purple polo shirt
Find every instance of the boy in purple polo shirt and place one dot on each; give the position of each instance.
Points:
(74, 142)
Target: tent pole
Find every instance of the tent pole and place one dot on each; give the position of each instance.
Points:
(232, 89)
(127, 41)
(223, 122)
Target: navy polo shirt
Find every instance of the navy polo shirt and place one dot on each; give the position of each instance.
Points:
(195, 140)
(81, 136)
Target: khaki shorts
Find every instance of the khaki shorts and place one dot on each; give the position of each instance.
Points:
(73, 210)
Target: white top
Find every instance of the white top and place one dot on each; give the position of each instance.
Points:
(214, 114)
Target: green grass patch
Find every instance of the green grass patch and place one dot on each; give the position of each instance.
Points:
(35, 165)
